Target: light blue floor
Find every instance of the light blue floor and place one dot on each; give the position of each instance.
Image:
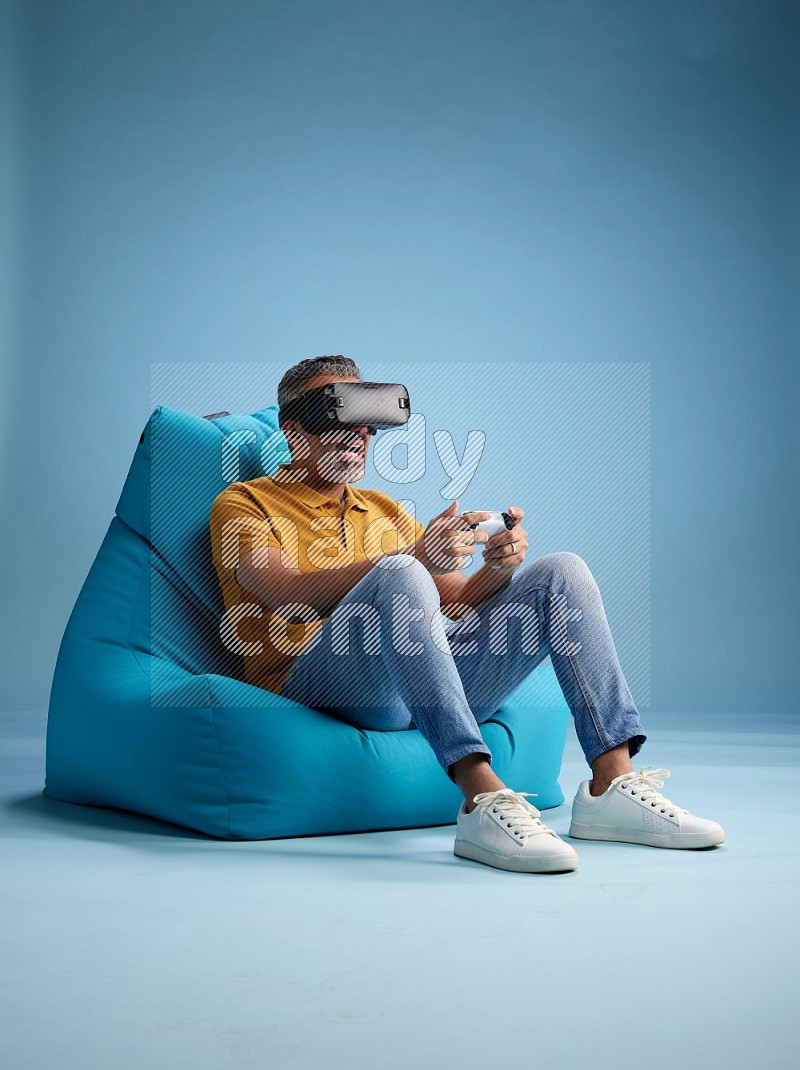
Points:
(128, 943)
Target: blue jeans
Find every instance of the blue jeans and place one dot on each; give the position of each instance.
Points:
(409, 667)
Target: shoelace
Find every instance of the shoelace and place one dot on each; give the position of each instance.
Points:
(516, 814)
(644, 783)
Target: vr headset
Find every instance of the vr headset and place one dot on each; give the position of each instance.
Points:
(341, 405)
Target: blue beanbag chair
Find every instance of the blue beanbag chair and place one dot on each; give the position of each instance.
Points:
(149, 711)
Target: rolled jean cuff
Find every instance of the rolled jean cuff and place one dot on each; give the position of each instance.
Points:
(634, 746)
(462, 752)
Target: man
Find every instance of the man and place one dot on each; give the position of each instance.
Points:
(314, 548)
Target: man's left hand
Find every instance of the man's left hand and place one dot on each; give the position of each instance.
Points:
(508, 548)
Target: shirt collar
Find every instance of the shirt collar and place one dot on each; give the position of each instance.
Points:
(353, 499)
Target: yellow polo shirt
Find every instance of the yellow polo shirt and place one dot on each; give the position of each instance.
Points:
(314, 532)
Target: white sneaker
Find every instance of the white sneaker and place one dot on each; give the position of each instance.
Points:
(504, 831)
(631, 810)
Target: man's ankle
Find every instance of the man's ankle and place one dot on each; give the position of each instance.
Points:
(598, 787)
(474, 774)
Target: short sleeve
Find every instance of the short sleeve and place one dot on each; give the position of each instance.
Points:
(413, 530)
(238, 525)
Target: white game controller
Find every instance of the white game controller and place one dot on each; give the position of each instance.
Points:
(496, 523)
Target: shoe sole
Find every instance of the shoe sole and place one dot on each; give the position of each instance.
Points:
(677, 840)
(549, 864)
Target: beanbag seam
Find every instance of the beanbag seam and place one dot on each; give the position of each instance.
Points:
(219, 752)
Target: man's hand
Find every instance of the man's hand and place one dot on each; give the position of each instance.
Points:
(506, 551)
(449, 540)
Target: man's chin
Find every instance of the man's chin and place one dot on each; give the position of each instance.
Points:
(354, 475)
(346, 473)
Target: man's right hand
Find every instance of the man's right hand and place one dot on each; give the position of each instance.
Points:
(448, 540)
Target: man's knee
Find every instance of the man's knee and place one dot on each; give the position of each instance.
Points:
(563, 566)
(403, 572)
(400, 563)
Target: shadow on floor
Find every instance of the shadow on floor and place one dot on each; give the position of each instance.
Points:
(108, 825)
(93, 822)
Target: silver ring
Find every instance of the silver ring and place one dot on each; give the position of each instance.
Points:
(513, 548)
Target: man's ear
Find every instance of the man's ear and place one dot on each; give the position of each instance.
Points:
(291, 430)
(297, 439)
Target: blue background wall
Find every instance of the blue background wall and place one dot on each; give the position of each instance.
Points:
(473, 182)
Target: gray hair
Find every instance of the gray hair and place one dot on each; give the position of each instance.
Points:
(293, 381)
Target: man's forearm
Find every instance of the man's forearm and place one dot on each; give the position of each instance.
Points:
(322, 590)
(483, 584)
